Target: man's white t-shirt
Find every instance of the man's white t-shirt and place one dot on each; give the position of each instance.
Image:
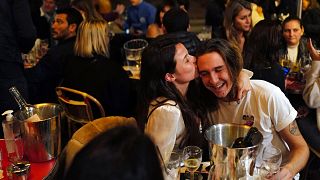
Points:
(264, 107)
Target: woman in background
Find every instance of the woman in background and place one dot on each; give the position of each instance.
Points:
(237, 22)
(261, 54)
(92, 71)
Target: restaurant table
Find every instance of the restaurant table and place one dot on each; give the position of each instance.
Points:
(38, 171)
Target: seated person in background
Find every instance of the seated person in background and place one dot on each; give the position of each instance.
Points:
(184, 4)
(263, 58)
(237, 22)
(121, 153)
(296, 46)
(86, 8)
(219, 63)
(176, 25)
(311, 20)
(176, 20)
(311, 96)
(139, 16)
(156, 28)
(91, 70)
(48, 73)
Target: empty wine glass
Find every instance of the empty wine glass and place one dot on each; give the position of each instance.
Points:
(173, 165)
(271, 161)
(192, 159)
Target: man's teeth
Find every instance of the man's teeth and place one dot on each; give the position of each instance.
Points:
(217, 86)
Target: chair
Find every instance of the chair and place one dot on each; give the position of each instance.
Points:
(87, 132)
(78, 107)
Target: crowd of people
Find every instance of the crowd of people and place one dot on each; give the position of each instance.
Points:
(185, 85)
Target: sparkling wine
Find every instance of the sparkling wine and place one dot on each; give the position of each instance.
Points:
(192, 164)
(26, 111)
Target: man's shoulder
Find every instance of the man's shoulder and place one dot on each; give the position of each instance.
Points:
(263, 87)
(145, 4)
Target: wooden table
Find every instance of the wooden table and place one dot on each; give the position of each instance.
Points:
(38, 171)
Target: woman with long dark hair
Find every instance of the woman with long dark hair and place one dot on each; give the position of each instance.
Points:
(261, 54)
(165, 114)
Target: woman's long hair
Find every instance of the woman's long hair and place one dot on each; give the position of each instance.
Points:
(92, 39)
(157, 60)
(263, 45)
(232, 10)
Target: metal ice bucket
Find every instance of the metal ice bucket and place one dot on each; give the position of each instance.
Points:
(231, 163)
(41, 139)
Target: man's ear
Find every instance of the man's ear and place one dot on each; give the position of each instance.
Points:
(169, 77)
(73, 28)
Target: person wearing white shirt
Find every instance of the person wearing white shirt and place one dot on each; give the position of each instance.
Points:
(268, 109)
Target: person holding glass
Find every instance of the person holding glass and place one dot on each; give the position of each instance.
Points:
(219, 63)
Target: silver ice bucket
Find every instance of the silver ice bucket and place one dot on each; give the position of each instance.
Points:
(231, 163)
(41, 139)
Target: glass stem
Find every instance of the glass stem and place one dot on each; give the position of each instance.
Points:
(191, 175)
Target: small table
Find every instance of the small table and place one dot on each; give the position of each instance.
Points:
(38, 171)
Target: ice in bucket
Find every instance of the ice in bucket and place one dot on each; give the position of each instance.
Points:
(231, 163)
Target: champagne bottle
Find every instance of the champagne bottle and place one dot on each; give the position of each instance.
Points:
(247, 141)
(26, 110)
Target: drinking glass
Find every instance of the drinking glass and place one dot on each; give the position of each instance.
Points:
(133, 50)
(271, 161)
(285, 63)
(43, 47)
(192, 159)
(173, 165)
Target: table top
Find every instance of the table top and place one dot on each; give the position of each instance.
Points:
(38, 171)
(293, 86)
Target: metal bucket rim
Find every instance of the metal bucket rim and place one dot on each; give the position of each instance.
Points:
(231, 124)
(59, 108)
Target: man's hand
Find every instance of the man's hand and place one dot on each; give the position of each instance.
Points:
(283, 174)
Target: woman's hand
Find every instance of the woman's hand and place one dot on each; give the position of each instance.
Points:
(243, 84)
(313, 52)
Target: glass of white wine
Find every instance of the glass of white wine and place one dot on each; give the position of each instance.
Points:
(192, 159)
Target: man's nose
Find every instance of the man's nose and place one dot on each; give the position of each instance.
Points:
(214, 78)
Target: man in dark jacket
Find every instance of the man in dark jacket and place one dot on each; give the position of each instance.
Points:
(17, 34)
(47, 74)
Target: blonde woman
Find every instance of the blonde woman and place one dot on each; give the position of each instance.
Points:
(92, 71)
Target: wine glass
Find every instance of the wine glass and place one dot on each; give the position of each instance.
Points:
(192, 159)
(271, 161)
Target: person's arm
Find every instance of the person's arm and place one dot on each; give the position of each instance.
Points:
(311, 92)
(162, 127)
(25, 30)
(299, 152)
(244, 83)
